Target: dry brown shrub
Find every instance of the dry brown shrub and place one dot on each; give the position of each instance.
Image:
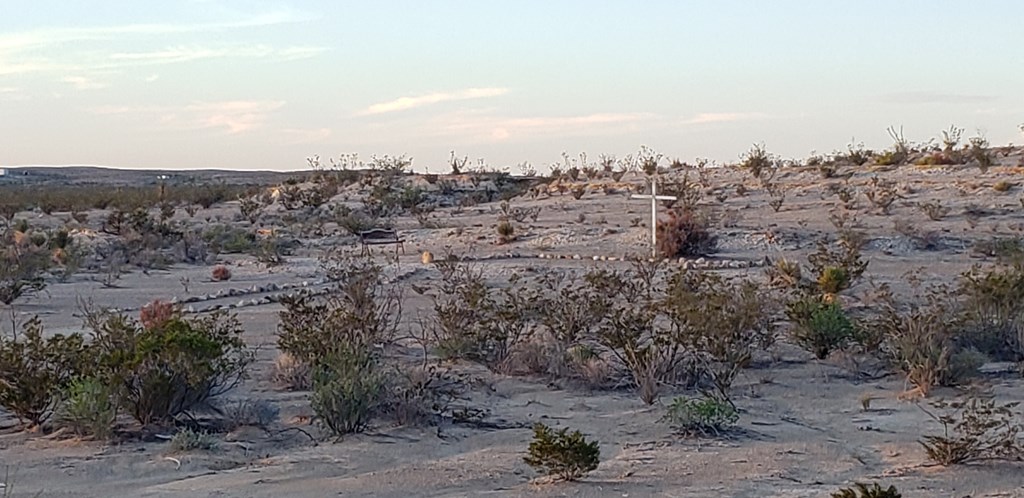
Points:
(291, 373)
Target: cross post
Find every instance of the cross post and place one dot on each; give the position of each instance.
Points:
(654, 198)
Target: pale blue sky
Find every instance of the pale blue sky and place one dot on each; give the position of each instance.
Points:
(264, 84)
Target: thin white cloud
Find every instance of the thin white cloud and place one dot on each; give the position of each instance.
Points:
(724, 117)
(151, 78)
(406, 103)
(233, 117)
(83, 83)
(53, 36)
(73, 50)
(186, 54)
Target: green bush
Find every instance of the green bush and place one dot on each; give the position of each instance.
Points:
(189, 439)
(89, 408)
(22, 267)
(348, 389)
(706, 416)
(35, 371)
(170, 368)
(820, 327)
(569, 456)
(864, 491)
(360, 312)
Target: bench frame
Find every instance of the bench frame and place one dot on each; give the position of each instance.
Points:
(380, 236)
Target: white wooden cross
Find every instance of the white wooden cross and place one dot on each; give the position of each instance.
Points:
(654, 198)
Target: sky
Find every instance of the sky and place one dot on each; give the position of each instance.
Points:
(264, 84)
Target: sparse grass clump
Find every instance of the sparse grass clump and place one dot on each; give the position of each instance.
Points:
(707, 416)
(568, 456)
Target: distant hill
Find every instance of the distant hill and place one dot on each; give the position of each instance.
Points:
(86, 175)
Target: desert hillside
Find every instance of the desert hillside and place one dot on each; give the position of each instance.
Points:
(856, 317)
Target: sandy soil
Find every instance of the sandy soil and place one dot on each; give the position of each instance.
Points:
(803, 430)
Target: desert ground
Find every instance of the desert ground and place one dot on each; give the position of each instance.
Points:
(803, 429)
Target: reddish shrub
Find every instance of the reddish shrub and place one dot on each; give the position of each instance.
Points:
(220, 273)
(157, 313)
(686, 232)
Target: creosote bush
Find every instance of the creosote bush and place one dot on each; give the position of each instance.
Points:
(567, 456)
(35, 371)
(340, 337)
(171, 367)
(348, 389)
(864, 491)
(707, 416)
(975, 430)
(820, 327)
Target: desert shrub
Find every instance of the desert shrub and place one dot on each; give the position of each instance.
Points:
(836, 266)
(353, 221)
(291, 373)
(220, 273)
(934, 210)
(157, 313)
(34, 371)
(759, 162)
(721, 323)
(820, 327)
(569, 456)
(975, 430)
(419, 395)
(188, 439)
(361, 312)
(629, 329)
(89, 408)
(475, 321)
(882, 194)
(171, 368)
(922, 338)
(979, 153)
(686, 232)
(707, 416)
(864, 491)
(1006, 250)
(249, 412)
(22, 266)
(992, 310)
(506, 232)
(1002, 186)
(229, 240)
(348, 389)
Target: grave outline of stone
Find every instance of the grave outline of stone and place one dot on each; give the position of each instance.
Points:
(654, 198)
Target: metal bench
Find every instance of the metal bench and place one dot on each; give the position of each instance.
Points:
(380, 236)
